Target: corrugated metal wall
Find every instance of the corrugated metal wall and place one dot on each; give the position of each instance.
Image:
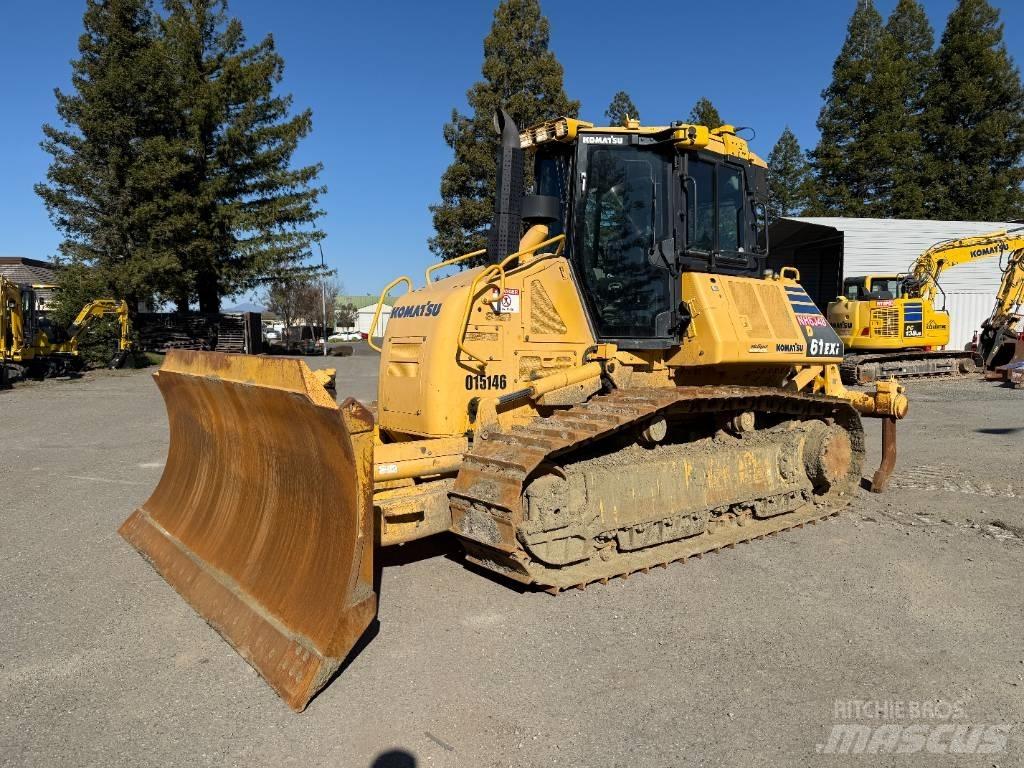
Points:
(966, 313)
(891, 245)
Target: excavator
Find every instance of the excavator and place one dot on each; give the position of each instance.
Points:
(1002, 334)
(890, 324)
(620, 385)
(30, 344)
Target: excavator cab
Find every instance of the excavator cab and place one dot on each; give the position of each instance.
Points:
(873, 288)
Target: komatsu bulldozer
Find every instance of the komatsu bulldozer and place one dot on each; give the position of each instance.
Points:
(30, 343)
(621, 386)
(890, 324)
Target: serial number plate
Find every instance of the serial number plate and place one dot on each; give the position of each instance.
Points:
(481, 381)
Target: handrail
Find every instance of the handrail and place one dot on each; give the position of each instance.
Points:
(449, 262)
(791, 272)
(499, 270)
(380, 304)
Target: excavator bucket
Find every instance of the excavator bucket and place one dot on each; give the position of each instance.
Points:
(263, 520)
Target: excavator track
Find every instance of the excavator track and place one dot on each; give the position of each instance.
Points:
(487, 501)
(869, 368)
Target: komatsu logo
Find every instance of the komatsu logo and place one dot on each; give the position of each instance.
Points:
(789, 348)
(417, 310)
(1000, 246)
(603, 139)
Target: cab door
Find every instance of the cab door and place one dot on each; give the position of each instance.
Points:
(718, 215)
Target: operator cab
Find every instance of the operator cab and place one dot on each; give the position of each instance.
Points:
(873, 288)
(640, 209)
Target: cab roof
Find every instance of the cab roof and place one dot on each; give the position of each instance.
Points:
(721, 140)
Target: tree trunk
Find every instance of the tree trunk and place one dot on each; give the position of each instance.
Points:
(209, 293)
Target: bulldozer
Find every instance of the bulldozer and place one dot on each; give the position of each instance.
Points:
(890, 323)
(620, 385)
(32, 345)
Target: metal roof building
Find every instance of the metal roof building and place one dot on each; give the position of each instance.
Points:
(828, 248)
(30, 272)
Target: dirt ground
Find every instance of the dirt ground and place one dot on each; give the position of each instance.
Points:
(904, 612)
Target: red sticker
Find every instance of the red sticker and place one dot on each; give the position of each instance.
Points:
(813, 321)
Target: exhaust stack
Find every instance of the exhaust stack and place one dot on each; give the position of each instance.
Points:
(503, 238)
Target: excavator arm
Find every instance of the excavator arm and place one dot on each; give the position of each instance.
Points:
(923, 278)
(1001, 337)
(102, 308)
(12, 328)
(1010, 296)
(10, 317)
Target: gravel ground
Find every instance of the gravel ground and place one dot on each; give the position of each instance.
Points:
(911, 600)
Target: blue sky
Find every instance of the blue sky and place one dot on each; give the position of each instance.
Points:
(382, 79)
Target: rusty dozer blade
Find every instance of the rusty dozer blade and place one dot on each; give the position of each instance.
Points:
(263, 517)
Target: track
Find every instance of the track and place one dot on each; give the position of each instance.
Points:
(487, 501)
(868, 368)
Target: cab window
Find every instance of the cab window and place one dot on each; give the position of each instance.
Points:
(715, 208)
(885, 287)
(853, 289)
(623, 216)
(701, 213)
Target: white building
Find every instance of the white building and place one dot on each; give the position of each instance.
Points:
(826, 249)
(364, 318)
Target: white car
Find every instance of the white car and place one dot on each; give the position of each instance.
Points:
(271, 334)
(344, 336)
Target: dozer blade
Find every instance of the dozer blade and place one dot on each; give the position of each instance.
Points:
(263, 517)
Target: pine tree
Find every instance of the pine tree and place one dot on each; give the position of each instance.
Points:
(704, 113)
(903, 68)
(845, 160)
(974, 120)
(620, 108)
(246, 213)
(789, 178)
(111, 171)
(520, 74)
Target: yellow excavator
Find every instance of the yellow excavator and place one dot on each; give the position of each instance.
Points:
(999, 342)
(30, 344)
(619, 387)
(890, 324)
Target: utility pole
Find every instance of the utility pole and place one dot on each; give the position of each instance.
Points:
(323, 292)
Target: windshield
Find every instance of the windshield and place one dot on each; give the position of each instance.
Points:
(623, 215)
(885, 287)
(855, 288)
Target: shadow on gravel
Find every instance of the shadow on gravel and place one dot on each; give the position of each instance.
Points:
(433, 546)
(999, 430)
(394, 758)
